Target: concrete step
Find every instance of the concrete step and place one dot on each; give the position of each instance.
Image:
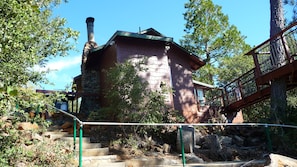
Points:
(94, 152)
(88, 145)
(153, 162)
(70, 139)
(103, 161)
(107, 158)
(105, 164)
(55, 134)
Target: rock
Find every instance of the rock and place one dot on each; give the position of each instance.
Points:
(66, 125)
(158, 148)
(7, 125)
(36, 136)
(188, 139)
(166, 148)
(4, 118)
(27, 126)
(281, 161)
(238, 140)
(192, 158)
(198, 137)
(215, 143)
(228, 154)
(21, 164)
(226, 140)
(69, 130)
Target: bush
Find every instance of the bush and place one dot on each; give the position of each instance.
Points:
(130, 99)
(18, 146)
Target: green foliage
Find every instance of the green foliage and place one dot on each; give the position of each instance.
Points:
(258, 112)
(30, 35)
(16, 104)
(19, 147)
(209, 35)
(233, 67)
(130, 99)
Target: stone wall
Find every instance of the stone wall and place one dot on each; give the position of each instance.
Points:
(90, 82)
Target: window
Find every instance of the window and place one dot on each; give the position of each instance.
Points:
(199, 95)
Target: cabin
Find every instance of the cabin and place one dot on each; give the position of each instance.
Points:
(166, 62)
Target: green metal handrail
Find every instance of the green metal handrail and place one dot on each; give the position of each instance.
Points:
(182, 145)
(75, 119)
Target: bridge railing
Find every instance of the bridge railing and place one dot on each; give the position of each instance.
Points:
(266, 55)
(266, 60)
(240, 88)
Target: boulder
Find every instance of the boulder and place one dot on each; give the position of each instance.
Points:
(66, 125)
(281, 161)
(166, 148)
(27, 126)
(187, 138)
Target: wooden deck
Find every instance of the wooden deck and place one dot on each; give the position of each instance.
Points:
(254, 86)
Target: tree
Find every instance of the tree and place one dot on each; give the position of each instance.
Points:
(235, 66)
(30, 35)
(210, 36)
(278, 98)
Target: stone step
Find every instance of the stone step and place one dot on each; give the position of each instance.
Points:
(102, 158)
(153, 162)
(206, 164)
(70, 139)
(102, 161)
(104, 164)
(55, 134)
(94, 152)
(88, 145)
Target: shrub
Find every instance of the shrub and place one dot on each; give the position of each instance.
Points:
(130, 99)
(18, 146)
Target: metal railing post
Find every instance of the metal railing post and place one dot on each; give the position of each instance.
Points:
(182, 146)
(74, 135)
(268, 138)
(80, 144)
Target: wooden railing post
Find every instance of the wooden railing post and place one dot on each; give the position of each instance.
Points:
(258, 72)
(226, 94)
(287, 52)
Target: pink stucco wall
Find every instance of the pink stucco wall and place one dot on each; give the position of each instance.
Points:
(165, 64)
(184, 99)
(156, 62)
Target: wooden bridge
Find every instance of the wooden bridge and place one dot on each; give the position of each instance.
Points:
(254, 85)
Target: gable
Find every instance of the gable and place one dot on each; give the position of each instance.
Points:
(151, 31)
(148, 35)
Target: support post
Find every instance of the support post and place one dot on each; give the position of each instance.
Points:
(76, 106)
(268, 138)
(80, 144)
(74, 135)
(182, 146)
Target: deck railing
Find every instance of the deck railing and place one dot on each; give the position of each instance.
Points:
(266, 55)
(266, 59)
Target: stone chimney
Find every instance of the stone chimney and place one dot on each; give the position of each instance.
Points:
(90, 28)
(90, 77)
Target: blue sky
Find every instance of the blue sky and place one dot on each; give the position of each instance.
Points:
(251, 17)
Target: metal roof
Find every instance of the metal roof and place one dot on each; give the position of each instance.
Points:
(145, 34)
(204, 84)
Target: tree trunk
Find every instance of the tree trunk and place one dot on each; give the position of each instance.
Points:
(278, 98)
